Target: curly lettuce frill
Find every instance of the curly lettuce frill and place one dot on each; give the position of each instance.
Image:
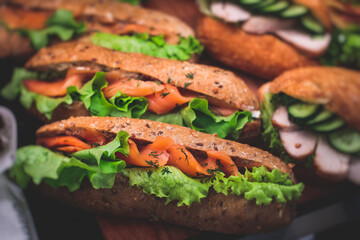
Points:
(198, 116)
(99, 164)
(155, 46)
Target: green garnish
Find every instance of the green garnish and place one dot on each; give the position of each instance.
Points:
(187, 84)
(155, 46)
(165, 94)
(189, 75)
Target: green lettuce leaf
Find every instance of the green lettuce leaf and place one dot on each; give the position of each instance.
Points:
(120, 105)
(259, 184)
(198, 116)
(61, 24)
(168, 182)
(344, 49)
(98, 164)
(173, 117)
(12, 89)
(45, 105)
(149, 45)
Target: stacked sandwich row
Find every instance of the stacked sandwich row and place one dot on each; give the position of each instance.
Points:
(136, 129)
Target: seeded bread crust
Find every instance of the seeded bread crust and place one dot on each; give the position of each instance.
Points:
(210, 81)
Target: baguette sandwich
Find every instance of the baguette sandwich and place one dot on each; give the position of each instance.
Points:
(82, 79)
(266, 38)
(311, 118)
(27, 26)
(144, 169)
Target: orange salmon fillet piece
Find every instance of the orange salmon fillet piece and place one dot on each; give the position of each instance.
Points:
(166, 100)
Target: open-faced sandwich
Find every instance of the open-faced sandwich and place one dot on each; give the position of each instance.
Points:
(82, 79)
(311, 117)
(144, 169)
(268, 37)
(27, 26)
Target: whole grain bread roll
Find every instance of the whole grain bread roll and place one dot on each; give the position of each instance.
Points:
(338, 89)
(216, 212)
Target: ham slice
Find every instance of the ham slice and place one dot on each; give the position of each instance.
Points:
(229, 12)
(354, 171)
(298, 144)
(280, 119)
(329, 162)
(314, 46)
(262, 25)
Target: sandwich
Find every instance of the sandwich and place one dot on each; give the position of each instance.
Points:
(267, 38)
(82, 79)
(27, 26)
(144, 169)
(310, 119)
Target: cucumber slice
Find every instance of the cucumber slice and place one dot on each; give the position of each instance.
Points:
(262, 4)
(328, 126)
(300, 112)
(345, 140)
(294, 11)
(275, 8)
(249, 2)
(313, 25)
(322, 116)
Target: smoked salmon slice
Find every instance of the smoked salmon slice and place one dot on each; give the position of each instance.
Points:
(222, 161)
(134, 157)
(166, 100)
(62, 142)
(163, 151)
(181, 158)
(29, 19)
(132, 87)
(54, 89)
(156, 154)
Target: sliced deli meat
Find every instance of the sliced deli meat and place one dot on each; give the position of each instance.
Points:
(354, 171)
(280, 119)
(312, 45)
(330, 163)
(262, 25)
(229, 12)
(299, 144)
